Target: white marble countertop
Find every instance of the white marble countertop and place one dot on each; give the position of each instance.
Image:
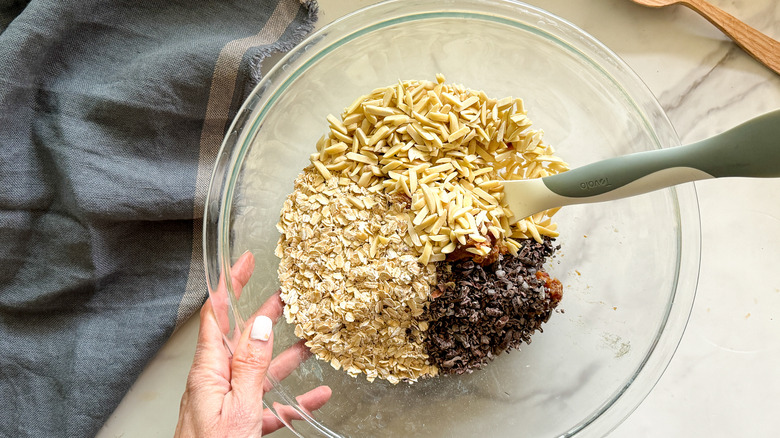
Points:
(724, 379)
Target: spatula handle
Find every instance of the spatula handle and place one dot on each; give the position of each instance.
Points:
(751, 149)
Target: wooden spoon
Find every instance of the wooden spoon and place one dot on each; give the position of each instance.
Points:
(765, 49)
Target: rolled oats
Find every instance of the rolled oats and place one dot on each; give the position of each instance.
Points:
(353, 289)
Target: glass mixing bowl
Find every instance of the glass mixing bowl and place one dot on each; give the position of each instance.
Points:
(629, 267)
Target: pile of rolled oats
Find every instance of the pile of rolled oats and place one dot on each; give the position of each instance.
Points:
(352, 287)
(409, 175)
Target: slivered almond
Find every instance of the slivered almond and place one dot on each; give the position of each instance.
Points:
(447, 148)
(337, 124)
(427, 222)
(378, 110)
(360, 158)
(462, 131)
(466, 103)
(336, 148)
(442, 168)
(322, 170)
(420, 216)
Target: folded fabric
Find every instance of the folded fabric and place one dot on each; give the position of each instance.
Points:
(111, 116)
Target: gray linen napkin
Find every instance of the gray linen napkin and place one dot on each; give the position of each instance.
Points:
(111, 115)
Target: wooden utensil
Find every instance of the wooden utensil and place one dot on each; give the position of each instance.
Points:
(751, 149)
(761, 47)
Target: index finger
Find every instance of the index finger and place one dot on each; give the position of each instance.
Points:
(286, 362)
(272, 307)
(240, 273)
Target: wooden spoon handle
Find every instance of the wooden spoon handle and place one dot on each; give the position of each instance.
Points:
(761, 47)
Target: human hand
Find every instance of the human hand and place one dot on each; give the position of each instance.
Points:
(223, 396)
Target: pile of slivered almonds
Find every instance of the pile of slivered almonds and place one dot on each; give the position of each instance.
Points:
(407, 180)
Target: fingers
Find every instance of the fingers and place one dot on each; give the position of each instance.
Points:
(314, 399)
(241, 271)
(211, 358)
(250, 364)
(286, 362)
(270, 422)
(210, 374)
(309, 402)
(281, 367)
(272, 307)
(239, 276)
(252, 361)
(209, 328)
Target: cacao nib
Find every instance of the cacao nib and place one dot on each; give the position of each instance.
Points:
(484, 310)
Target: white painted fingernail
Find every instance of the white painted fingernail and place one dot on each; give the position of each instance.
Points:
(261, 328)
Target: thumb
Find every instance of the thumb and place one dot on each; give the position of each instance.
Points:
(251, 360)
